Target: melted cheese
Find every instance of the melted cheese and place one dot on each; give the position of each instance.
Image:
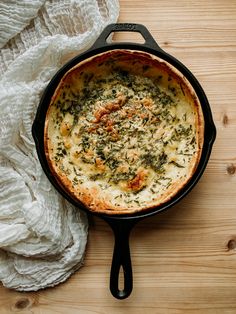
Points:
(125, 133)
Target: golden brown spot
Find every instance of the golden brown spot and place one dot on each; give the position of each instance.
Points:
(115, 135)
(109, 125)
(65, 128)
(109, 107)
(92, 129)
(100, 164)
(99, 113)
(67, 142)
(109, 128)
(89, 153)
(121, 99)
(147, 102)
(139, 181)
(76, 154)
(231, 169)
(112, 106)
(172, 158)
(130, 112)
(143, 115)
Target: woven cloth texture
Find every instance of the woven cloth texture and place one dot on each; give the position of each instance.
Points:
(42, 237)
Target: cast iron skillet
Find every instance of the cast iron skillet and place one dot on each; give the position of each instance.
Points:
(122, 224)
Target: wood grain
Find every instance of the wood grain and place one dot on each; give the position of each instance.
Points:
(184, 260)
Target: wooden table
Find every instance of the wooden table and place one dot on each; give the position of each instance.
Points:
(184, 260)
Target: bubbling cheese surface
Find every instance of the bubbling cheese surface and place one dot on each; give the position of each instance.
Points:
(123, 135)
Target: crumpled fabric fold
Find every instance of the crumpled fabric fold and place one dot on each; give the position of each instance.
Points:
(42, 236)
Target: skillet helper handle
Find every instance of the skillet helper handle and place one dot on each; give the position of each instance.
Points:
(121, 260)
(126, 27)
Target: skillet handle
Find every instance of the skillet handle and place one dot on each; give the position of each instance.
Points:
(126, 27)
(121, 260)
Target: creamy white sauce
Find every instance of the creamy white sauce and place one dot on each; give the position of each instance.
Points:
(122, 129)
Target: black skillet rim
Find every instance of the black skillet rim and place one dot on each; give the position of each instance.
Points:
(151, 48)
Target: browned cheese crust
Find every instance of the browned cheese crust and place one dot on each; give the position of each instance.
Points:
(124, 132)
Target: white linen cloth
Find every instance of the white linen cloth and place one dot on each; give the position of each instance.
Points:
(42, 236)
